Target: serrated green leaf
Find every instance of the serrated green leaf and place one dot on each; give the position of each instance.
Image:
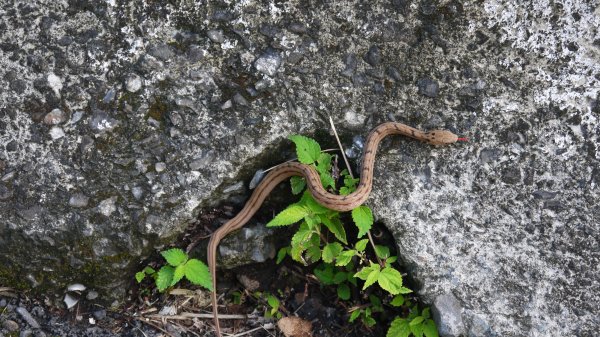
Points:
(344, 257)
(149, 270)
(281, 254)
(404, 290)
(174, 256)
(376, 303)
(178, 274)
(313, 221)
(391, 259)
(417, 320)
(340, 277)
(331, 251)
(371, 278)
(430, 329)
(363, 218)
(369, 321)
(324, 163)
(391, 280)
(313, 249)
(311, 204)
(336, 227)
(343, 291)
(397, 301)
(417, 328)
(327, 180)
(399, 328)
(345, 190)
(382, 252)
(139, 276)
(298, 184)
(325, 274)
(426, 313)
(288, 216)
(361, 245)
(197, 273)
(364, 273)
(354, 315)
(307, 149)
(164, 277)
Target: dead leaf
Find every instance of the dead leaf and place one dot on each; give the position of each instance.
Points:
(295, 327)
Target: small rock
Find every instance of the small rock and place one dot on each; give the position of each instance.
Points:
(10, 326)
(258, 176)
(76, 287)
(70, 300)
(54, 117)
(447, 312)
(511, 175)
(26, 333)
(159, 167)
(107, 206)
(137, 192)
(240, 100)
(99, 314)
(79, 200)
(110, 96)
(133, 83)
(373, 56)
(101, 121)
(76, 117)
(268, 63)
(5, 193)
(161, 51)
(297, 27)
(216, 35)
(544, 195)
(227, 105)
(428, 87)
(56, 132)
(28, 318)
(92, 295)
(55, 83)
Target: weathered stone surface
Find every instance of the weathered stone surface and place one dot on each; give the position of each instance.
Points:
(159, 115)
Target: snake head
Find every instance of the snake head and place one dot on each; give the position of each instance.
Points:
(441, 137)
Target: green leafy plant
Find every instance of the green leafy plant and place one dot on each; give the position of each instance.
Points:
(321, 238)
(178, 266)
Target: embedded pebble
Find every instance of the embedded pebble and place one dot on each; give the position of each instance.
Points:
(373, 56)
(79, 200)
(55, 83)
(159, 167)
(216, 35)
(28, 318)
(268, 63)
(133, 83)
(240, 100)
(54, 117)
(447, 312)
(101, 122)
(56, 132)
(10, 325)
(110, 95)
(5, 192)
(428, 87)
(107, 206)
(227, 105)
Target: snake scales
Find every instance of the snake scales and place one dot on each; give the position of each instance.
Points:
(340, 203)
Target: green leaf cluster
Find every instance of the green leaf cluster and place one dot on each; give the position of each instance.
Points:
(321, 237)
(415, 324)
(178, 266)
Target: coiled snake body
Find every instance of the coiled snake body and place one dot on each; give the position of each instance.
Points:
(340, 203)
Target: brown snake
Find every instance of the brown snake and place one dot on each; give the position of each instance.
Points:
(340, 203)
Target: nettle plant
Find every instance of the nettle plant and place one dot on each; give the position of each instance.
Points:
(178, 266)
(321, 238)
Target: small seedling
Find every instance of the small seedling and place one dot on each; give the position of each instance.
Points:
(178, 266)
